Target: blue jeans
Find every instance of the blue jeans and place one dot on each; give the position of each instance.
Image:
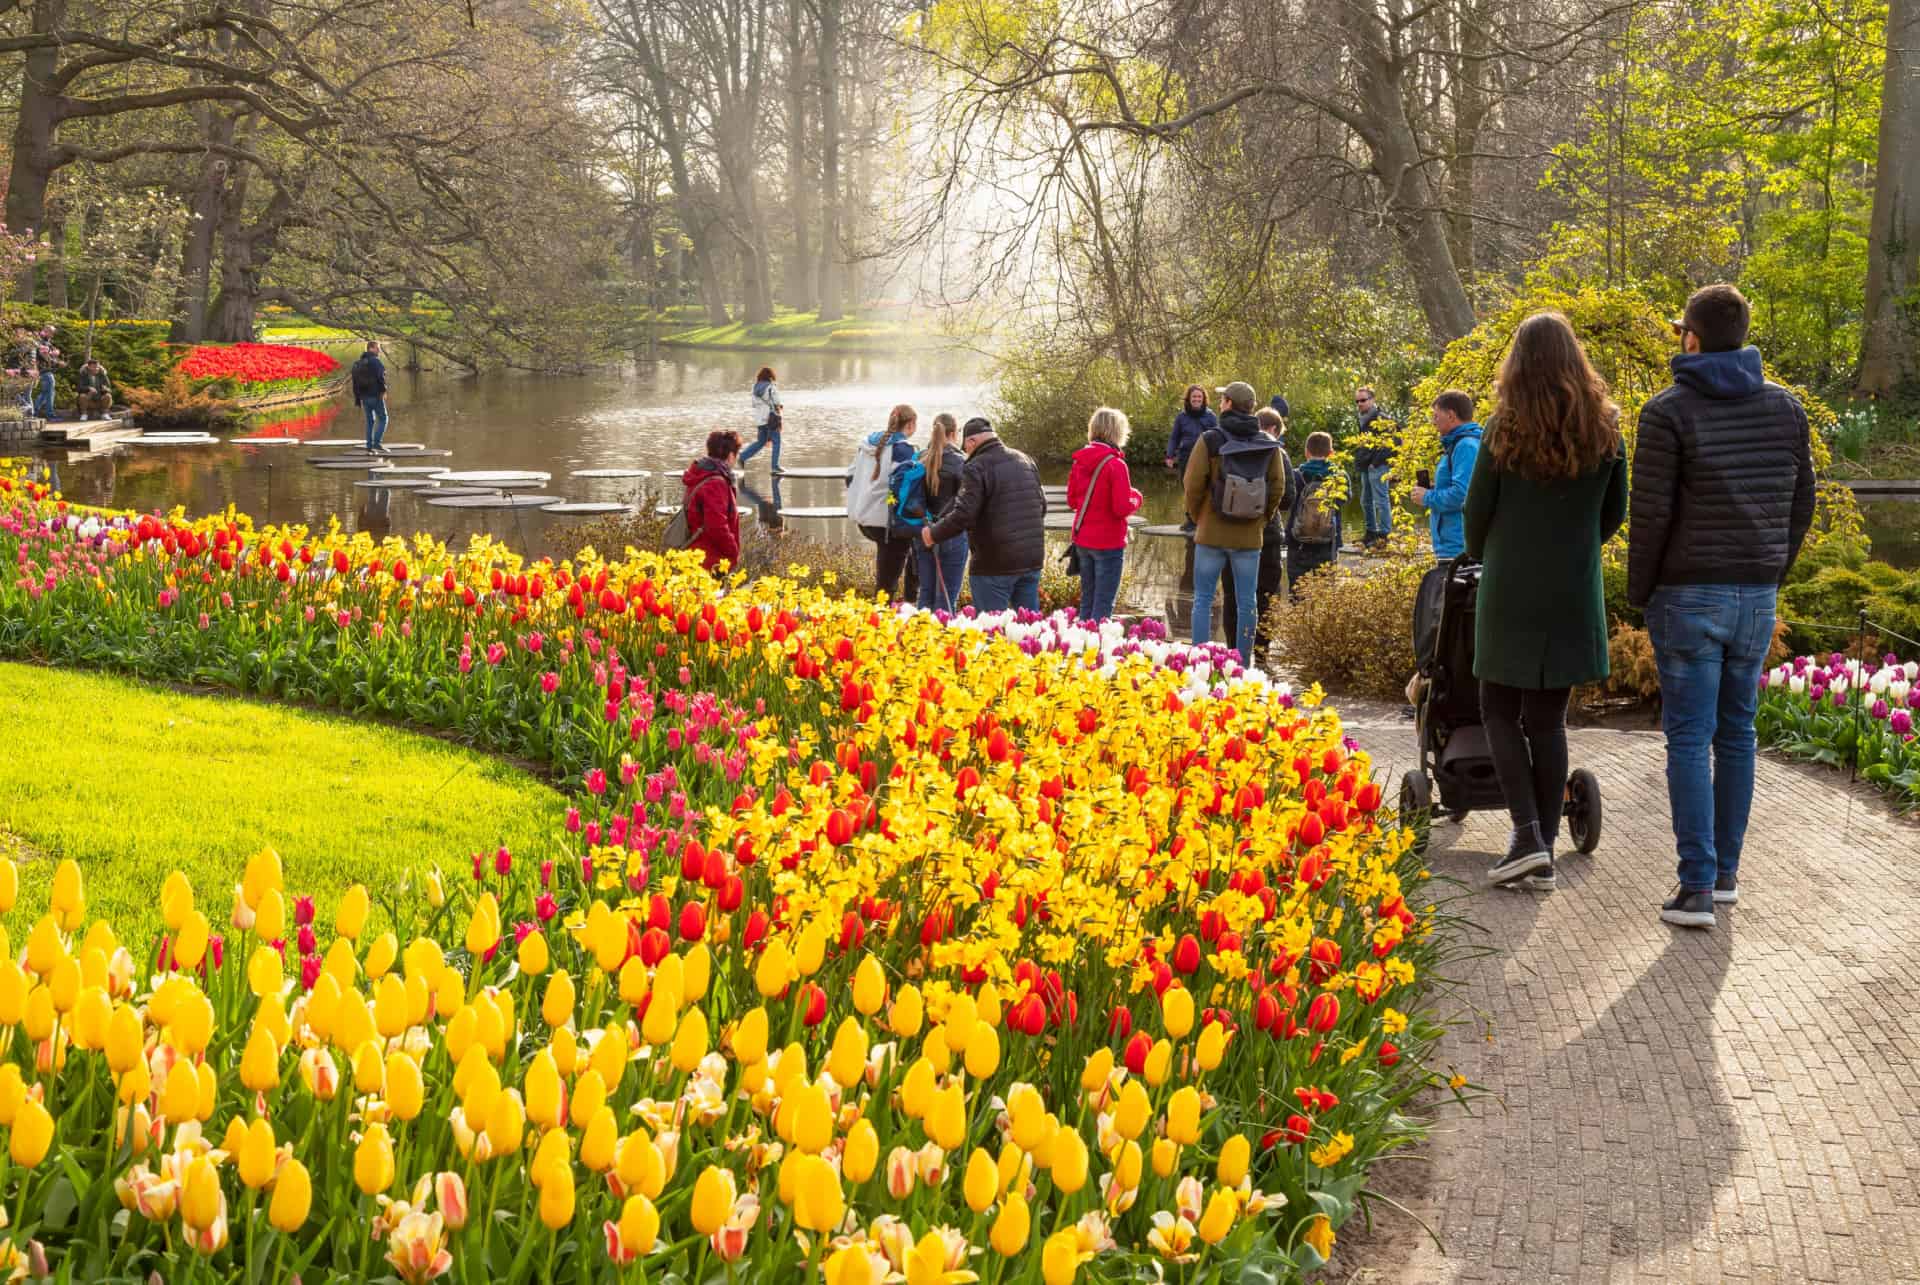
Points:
(998, 593)
(1710, 643)
(376, 409)
(1376, 501)
(760, 443)
(1208, 562)
(43, 396)
(945, 564)
(1099, 581)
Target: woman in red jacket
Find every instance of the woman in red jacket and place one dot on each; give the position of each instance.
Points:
(1100, 493)
(712, 512)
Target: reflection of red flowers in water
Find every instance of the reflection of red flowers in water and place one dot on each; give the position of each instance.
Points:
(308, 424)
(256, 363)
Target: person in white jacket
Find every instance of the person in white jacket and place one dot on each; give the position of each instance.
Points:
(767, 420)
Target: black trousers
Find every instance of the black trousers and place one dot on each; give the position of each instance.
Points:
(1273, 578)
(1303, 558)
(1527, 736)
(892, 556)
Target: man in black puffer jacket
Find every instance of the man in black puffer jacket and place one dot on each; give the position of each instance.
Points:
(1004, 513)
(1722, 498)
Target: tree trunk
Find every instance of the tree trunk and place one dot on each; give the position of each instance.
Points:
(1890, 339)
(706, 271)
(56, 261)
(799, 273)
(832, 305)
(33, 161)
(196, 256)
(1470, 102)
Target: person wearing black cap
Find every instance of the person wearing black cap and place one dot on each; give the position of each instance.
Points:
(1003, 512)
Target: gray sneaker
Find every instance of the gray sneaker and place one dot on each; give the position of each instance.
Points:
(1689, 909)
(1726, 890)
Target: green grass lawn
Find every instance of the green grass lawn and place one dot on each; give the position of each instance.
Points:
(132, 781)
(805, 330)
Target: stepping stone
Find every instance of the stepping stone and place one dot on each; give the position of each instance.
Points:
(826, 511)
(412, 470)
(811, 471)
(495, 501)
(333, 441)
(1063, 521)
(497, 477)
(586, 506)
(385, 483)
(265, 441)
(365, 466)
(434, 491)
(1054, 492)
(611, 472)
(174, 439)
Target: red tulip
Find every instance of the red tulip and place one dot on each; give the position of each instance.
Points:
(1325, 957)
(693, 921)
(1298, 1128)
(813, 1002)
(1136, 1052)
(655, 946)
(1186, 954)
(1323, 1013)
(1121, 1023)
(1389, 1054)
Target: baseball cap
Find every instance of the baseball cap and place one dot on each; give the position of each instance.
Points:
(974, 427)
(1239, 392)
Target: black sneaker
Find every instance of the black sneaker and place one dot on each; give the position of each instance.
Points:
(1526, 855)
(1543, 880)
(1726, 890)
(1689, 909)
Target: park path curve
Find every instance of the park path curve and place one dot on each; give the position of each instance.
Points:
(1665, 1104)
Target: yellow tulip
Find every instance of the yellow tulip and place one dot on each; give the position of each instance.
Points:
(390, 1007)
(69, 898)
(406, 1087)
(125, 1039)
(190, 946)
(589, 1095)
(597, 1144)
(1159, 1063)
(987, 1004)
(32, 1134)
(373, 1161)
(369, 1069)
(847, 1062)
(546, 1097)
(292, 1197)
(557, 1198)
(935, 1049)
(1131, 1112)
(532, 955)
(869, 987)
(264, 973)
(91, 1013)
(713, 1196)
(697, 974)
(946, 1121)
(1070, 1160)
(639, 1166)
(1235, 1156)
(1060, 1258)
(64, 985)
(1212, 1046)
(690, 1043)
(639, 1225)
(483, 929)
(658, 1024)
(13, 1091)
(351, 917)
(44, 947)
(811, 951)
(981, 1186)
(436, 889)
(770, 975)
(1217, 1221)
(609, 1056)
(200, 1194)
(1011, 1228)
(1098, 1067)
(1027, 1117)
(1183, 1116)
(1166, 1157)
(983, 1051)
(9, 885)
(262, 873)
(13, 992)
(270, 917)
(176, 899)
(506, 1122)
(849, 1266)
(818, 1201)
(812, 1119)
(908, 1011)
(40, 1015)
(750, 1037)
(380, 956)
(556, 1007)
(140, 1129)
(862, 1154)
(962, 1015)
(257, 1155)
(916, 1091)
(180, 1094)
(1176, 1011)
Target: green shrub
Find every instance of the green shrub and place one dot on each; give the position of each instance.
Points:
(1352, 630)
(1896, 608)
(1841, 551)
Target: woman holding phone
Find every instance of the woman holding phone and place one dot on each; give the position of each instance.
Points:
(1551, 492)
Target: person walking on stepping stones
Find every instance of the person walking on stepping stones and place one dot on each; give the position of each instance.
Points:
(369, 377)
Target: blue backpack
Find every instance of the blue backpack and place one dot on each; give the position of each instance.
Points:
(907, 498)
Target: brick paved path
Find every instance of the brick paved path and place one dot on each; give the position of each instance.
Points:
(1667, 1104)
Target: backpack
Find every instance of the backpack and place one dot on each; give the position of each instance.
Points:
(366, 382)
(680, 533)
(1315, 514)
(907, 498)
(1240, 487)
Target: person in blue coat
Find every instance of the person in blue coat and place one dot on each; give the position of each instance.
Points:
(1193, 419)
(1446, 500)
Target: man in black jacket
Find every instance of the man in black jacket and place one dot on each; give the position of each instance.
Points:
(1722, 497)
(1003, 511)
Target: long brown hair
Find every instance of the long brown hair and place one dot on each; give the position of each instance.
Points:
(939, 438)
(899, 420)
(1553, 419)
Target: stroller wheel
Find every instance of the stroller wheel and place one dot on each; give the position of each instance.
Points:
(1583, 810)
(1416, 802)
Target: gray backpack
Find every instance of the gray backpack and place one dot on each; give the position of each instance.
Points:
(1240, 487)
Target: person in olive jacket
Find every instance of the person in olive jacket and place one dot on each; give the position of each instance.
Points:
(1003, 511)
(1224, 544)
(1723, 496)
(1551, 490)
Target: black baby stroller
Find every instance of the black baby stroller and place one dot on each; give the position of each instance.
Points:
(1453, 743)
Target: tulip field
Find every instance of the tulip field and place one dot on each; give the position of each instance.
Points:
(873, 947)
(258, 369)
(1841, 711)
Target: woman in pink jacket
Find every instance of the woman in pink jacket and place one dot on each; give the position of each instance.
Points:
(1100, 493)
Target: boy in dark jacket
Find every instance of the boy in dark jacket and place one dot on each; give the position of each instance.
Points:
(1722, 497)
(1313, 528)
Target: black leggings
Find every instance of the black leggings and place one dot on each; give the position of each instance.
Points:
(892, 556)
(1527, 736)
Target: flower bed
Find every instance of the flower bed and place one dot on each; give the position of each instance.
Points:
(1841, 712)
(258, 370)
(873, 946)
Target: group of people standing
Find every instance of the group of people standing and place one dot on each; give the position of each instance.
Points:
(36, 357)
(1721, 498)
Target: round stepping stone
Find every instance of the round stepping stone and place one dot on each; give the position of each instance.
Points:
(385, 483)
(434, 491)
(494, 501)
(496, 477)
(586, 506)
(334, 441)
(1162, 528)
(264, 441)
(611, 472)
(823, 511)
(810, 471)
(207, 440)
(365, 466)
(1064, 521)
(174, 437)
(411, 470)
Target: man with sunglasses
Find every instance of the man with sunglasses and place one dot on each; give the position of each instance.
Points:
(1373, 463)
(1722, 496)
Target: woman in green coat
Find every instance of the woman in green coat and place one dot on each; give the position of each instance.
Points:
(1550, 489)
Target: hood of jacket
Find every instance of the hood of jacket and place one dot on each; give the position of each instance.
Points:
(1238, 424)
(1460, 433)
(704, 467)
(1723, 376)
(1317, 469)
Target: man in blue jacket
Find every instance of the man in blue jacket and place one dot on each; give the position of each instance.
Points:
(1446, 500)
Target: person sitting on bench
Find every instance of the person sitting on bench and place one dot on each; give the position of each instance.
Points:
(95, 390)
